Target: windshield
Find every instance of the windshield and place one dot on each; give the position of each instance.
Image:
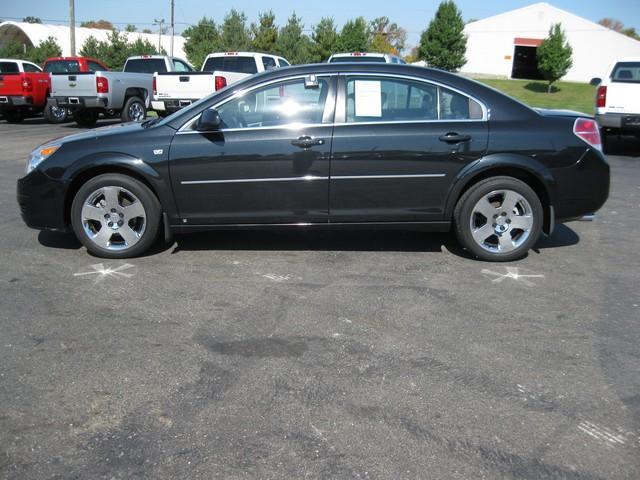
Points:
(62, 66)
(9, 67)
(626, 72)
(357, 59)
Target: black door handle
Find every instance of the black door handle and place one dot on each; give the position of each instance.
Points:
(453, 137)
(306, 141)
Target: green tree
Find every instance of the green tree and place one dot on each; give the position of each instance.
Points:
(14, 50)
(265, 33)
(292, 44)
(102, 24)
(354, 36)
(202, 39)
(31, 19)
(146, 30)
(387, 37)
(91, 48)
(443, 44)
(235, 36)
(142, 47)
(554, 55)
(130, 28)
(325, 39)
(45, 49)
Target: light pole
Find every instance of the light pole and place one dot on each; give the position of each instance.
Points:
(173, 28)
(159, 22)
(72, 27)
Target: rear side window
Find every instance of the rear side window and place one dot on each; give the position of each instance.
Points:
(29, 68)
(231, 64)
(455, 106)
(145, 65)
(268, 63)
(9, 67)
(62, 66)
(626, 72)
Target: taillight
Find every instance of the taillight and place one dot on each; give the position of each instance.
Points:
(27, 85)
(587, 129)
(102, 85)
(601, 97)
(220, 82)
(154, 86)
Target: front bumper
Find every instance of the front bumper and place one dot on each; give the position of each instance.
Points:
(10, 102)
(80, 103)
(625, 122)
(42, 201)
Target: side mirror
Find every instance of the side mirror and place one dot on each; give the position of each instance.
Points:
(209, 121)
(595, 81)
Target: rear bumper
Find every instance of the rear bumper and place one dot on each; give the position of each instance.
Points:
(80, 103)
(10, 102)
(41, 201)
(619, 121)
(171, 104)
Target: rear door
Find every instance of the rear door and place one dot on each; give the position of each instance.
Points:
(398, 143)
(269, 163)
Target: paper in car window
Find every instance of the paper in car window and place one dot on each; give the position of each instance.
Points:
(368, 98)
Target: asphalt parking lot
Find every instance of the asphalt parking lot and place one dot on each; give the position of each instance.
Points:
(387, 355)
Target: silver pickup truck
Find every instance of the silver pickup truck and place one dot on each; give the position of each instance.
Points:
(89, 94)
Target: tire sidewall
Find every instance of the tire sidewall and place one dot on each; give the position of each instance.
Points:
(140, 190)
(85, 118)
(125, 110)
(464, 209)
(51, 118)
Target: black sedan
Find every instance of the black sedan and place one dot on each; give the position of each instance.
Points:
(331, 145)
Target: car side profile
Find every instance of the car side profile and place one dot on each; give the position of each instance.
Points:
(353, 145)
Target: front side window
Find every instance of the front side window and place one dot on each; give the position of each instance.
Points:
(277, 104)
(626, 72)
(30, 68)
(95, 67)
(375, 99)
(180, 66)
(283, 62)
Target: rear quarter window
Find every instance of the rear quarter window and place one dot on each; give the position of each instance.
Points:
(626, 72)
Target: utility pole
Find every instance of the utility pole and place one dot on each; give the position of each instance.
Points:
(72, 27)
(159, 22)
(173, 28)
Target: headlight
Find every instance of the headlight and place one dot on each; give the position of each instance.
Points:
(39, 154)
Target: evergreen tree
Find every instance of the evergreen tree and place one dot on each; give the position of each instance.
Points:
(45, 49)
(91, 48)
(235, 35)
(354, 36)
(325, 39)
(265, 33)
(443, 44)
(292, 44)
(13, 50)
(202, 39)
(554, 55)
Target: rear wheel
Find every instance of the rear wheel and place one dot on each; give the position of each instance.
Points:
(115, 216)
(499, 219)
(14, 116)
(55, 114)
(133, 110)
(85, 118)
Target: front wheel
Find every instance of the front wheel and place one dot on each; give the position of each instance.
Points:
(133, 110)
(115, 216)
(499, 219)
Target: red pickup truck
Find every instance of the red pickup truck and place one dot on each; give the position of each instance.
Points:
(25, 87)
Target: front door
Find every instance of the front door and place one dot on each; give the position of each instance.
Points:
(398, 143)
(269, 163)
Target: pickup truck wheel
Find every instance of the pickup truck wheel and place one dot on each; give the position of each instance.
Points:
(133, 110)
(14, 116)
(498, 219)
(115, 216)
(85, 118)
(55, 114)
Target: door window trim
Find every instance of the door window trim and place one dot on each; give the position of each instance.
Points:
(341, 112)
(328, 113)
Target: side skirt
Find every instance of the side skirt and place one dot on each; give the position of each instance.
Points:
(419, 226)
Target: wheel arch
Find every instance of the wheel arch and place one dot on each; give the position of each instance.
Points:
(526, 169)
(136, 92)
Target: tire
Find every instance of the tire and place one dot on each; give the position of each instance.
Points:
(55, 114)
(133, 110)
(14, 116)
(493, 231)
(101, 205)
(85, 118)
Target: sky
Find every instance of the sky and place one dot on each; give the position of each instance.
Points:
(412, 15)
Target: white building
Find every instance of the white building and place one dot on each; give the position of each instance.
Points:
(505, 45)
(32, 34)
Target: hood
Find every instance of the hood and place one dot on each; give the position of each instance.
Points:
(97, 133)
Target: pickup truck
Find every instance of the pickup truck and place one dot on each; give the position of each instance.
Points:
(156, 63)
(174, 90)
(24, 89)
(618, 98)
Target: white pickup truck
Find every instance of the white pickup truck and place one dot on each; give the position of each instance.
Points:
(618, 98)
(174, 90)
(126, 93)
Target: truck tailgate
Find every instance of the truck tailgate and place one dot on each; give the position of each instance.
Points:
(182, 85)
(11, 84)
(73, 85)
(623, 97)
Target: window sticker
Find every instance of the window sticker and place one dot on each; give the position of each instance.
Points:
(368, 98)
